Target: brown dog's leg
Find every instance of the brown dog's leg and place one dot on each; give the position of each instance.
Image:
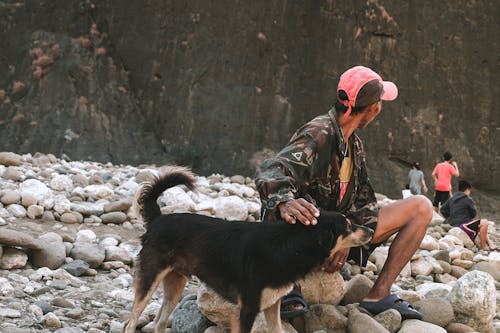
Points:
(143, 294)
(235, 319)
(273, 318)
(173, 286)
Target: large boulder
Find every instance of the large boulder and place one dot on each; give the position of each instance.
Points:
(52, 252)
(473, 298)
(320, 287)
(220, 311)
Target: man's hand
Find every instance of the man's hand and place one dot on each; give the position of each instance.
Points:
(299, 209)
(337, 262)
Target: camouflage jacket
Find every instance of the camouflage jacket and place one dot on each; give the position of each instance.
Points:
(309, 167)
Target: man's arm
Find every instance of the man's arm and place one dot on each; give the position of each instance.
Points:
(472, 207)
(424, 186)
(278, 179)
(434, 174)
(456, 173)
(445, 209)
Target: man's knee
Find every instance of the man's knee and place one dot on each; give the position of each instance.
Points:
(423, 209)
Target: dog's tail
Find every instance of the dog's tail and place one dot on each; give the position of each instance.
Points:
(148, 193)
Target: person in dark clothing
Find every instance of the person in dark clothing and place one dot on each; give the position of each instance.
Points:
(323, 167)
(460, 211)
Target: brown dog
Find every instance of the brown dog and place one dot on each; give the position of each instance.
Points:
(237, 259)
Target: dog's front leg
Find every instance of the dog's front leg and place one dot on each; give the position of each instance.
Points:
(235, 319)
(273, 319)
(235, 324)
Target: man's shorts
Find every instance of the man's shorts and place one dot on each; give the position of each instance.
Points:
(367, 217)
(471, 228)
(440, 197)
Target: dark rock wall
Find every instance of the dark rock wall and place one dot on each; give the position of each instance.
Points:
(217, 84)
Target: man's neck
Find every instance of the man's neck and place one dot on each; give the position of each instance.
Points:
(348, 125)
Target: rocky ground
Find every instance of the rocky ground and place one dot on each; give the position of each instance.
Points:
(68, 237)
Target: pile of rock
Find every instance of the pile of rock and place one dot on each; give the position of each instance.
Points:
(63, 275)
(42, 187)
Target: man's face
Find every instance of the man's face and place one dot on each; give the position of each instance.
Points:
(370, 113)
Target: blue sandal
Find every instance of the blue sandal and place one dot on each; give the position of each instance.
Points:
(295, 296)
(392, 302)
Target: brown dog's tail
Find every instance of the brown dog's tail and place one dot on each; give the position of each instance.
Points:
(149, 192)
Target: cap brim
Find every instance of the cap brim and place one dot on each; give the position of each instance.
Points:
(390, 91)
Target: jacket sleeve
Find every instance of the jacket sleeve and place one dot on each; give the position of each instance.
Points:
(278, 178)
(445, 209)
(365, 194)
(472, 207)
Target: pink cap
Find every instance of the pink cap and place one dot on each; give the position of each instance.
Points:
(363, 87)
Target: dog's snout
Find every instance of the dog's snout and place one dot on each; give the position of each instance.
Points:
(367, 233)
(370, 234)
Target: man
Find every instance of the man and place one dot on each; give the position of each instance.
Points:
(324, 166)
(460, 210)
(416, 179)
(442, 174)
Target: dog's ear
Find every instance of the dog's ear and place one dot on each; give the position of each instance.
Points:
(362, 216)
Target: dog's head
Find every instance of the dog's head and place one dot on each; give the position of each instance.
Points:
(342, 233)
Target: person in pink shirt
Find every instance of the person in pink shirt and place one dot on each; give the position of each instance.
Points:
(442, 179)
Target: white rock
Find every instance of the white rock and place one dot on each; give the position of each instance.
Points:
(17, 210)
(320, 287)
(108, 241)
(123, 280)
(433, 290)
(474, 300)
(88, 208)
(4, 213)
(43, 273)
(34, 211)
(460, 234)
(62, 204)
(9, 313)
(61, 183)
(86, 235)
(13, 258)
(206, 206)
(175, 199)
(429, 243)
(115, 253)
(6, 287)
(36, 311)
(231, 208)
(36, 188)
(253, 207)
(419, 326)
(121, 295)
(18, 278)
(62, 274)
(98, 191)
(51, 320)
(127, 188)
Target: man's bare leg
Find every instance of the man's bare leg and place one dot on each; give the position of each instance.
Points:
(486, 243)
(410, 218)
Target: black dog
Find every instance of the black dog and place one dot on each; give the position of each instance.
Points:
(237, 259)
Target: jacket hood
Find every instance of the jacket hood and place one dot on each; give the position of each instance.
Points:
(458, 196)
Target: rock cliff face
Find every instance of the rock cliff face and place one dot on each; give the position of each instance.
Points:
(216, 84)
